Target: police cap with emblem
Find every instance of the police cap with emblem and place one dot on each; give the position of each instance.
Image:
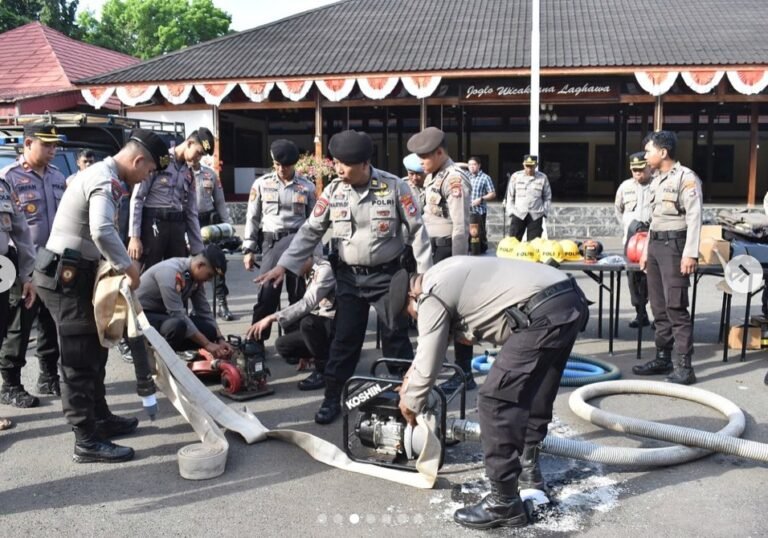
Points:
(637, 161)
(216, 258)
(351, 147)
(205, 137)
(44, 132)
(530, 160)
(284, 152)
(397, 297)
(412, 163)
(426, 141)
(152, 142)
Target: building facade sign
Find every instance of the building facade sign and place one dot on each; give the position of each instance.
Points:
(511, 91)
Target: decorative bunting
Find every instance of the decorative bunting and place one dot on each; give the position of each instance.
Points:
(97, 97)
(257, 91)
(134, 94)
(295, 90)
(749, 81)
(214, 93)
(176, 94)
(335, 89)
(377, 87)
(702, 81)
(656, 82)
(421, 87)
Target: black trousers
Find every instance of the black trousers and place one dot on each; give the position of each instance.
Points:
(169, 242)
(462, 352)
(312, 339)
(637, 281)
(478, 220)
(219, 282)
(668, 294)
(518, 226)
(174, 330)
(515, 402)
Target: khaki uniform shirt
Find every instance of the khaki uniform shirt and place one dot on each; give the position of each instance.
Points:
(633, 202)
(210, 194)
(319, 299)
(446, 206)
(13, 227)
(528, 195)
(676, 204)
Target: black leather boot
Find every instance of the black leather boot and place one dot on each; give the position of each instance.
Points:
(501, 507)
(683, 372)
(89, 449)
(12, 391)
(662, 364)
(530, 476)
(114, 426)
(222, 310)
(640, 319)
(315, 381)
(48, 380)
(330, 409)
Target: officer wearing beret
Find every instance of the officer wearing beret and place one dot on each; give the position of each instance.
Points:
(633, 211)
(279, 204)
(415, 177)
(164, 208)
(367, 210)
(671, 257)
(528, 200)
(84, 231)
(447, 190)
(37, 186)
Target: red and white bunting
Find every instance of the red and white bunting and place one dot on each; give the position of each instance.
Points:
(335, 89)
(377, 87)
(134, 94)
(702, 81)
(295, 90)
(656, 82)
(257, 91)
(214, 93)
(176, 94)
(96, 97)
(421, 87)
(749, 81)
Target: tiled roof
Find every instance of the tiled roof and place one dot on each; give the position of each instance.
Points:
(37, 60)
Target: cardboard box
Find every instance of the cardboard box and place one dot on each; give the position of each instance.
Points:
(709, 248)
(736, 332)
(711, 230)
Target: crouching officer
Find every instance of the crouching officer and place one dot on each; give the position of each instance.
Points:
(83, 231)
(534, 313)
(671, 257)
(367, 210)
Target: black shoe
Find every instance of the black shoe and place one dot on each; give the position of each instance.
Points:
(661, 365)
(16, 396)
(453, 384)
(222, 310)
(315, 381)
(101, 451)
(114, 426)
(125, 351)
(635, 323)
(502, 507)
(683, 372)
(530, 475)
(48, 385)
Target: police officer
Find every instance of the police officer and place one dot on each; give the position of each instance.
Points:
(446, 217)
(535, 313)
(83, 231)
(212, 209)
(279, 204)
(633, 211)
(367, 210)
(13, 227)
(415, 177)
(671, 257)
(528, 200)
(38, 187)
(164, 208)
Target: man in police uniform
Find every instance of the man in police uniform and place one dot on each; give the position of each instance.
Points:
(415, 177)
(212, 209)
(164, 208)
(279, 204)
(446, 218)
(528, 200)
(633, 211)
(83, 231)
(367, 210)
(38, 187)
(13, 227)
(671, 257)
(535, 313)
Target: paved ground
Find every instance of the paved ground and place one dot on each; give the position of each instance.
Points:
(275, 489)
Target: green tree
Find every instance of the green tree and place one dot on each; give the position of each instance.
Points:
(58, 14)
(148, 28)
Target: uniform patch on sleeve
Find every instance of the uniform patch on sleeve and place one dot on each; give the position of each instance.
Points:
(254, 194)
(456, 188)
(410, 207)
(689, 184)
(117, 190)
(321, 206)
(179, 282)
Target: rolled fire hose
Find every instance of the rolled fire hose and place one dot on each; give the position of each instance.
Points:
(579, 370)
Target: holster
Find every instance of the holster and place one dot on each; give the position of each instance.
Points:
(517, 319)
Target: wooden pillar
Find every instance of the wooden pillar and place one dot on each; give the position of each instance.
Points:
(710, 173)
(658, 114)
(643, 127)
(753, 142)
(318, 140)
(423, 114)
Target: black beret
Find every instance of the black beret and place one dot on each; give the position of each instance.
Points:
(284, 152)
(205, 137)
(43, 131)
(351, 147)
(152, 142)
(426, 141)
(216, 258)
(637, 160)
(397, 298)
(530, 160)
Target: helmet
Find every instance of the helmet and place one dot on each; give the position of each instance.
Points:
(507, 247)
(551, 251)
(591, 250)
(525, 251)
(636, 246)
(536, 243)
(570, 250)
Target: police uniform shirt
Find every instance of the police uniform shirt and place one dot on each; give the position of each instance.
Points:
(276, 207)
(37, 197)
(13, 227)
(86, 219)
(446, 206)
(210, 194)
(174, 189)
(528, 195)
(368, 223)
(457, 299)
(167, 286)
(676, 204)
(418, 193)
(319, 299)
(632, 203)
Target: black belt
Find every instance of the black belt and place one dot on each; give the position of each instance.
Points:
(666, 236)
(546, 294)
(277, 236)
(164, 213)
(441, 242)
(370, 269)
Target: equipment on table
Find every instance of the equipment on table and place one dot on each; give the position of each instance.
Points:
(223, 235)
(507, 247)
(526, 251)
(570, 250)
(751, 226)
(591, 250)
(550, 252)
(636, 246)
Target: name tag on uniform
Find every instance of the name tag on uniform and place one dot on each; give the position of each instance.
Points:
(340, 213)
(434, 198)
(270, 195)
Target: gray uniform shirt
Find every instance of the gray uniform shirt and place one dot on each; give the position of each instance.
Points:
(13, 227)
(319, 299)
(456, 298)
(676, 204)
(633, 202)
(275, 206)
(86, 219)
(446, 206)
(369, 223)
(528, 195)
(210, 194)
(166, 287)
